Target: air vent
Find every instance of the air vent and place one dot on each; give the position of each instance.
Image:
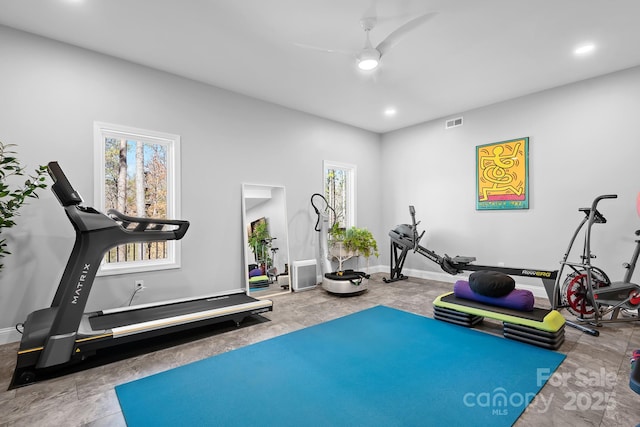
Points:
(453, 123)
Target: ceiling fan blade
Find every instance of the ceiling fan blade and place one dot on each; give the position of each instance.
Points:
(393, 38)
(326, 50)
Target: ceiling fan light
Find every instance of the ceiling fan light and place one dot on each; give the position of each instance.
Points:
(367, 64)
(368, 59)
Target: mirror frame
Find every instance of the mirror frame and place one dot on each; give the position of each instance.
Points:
(266, 190)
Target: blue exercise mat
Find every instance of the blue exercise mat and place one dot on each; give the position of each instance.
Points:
(377, 367)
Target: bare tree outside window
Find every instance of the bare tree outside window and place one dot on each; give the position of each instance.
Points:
(138, 174)
(339, 190)
(335, 195)
(136, 185)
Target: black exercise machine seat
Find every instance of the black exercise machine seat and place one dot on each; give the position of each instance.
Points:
(54, 336)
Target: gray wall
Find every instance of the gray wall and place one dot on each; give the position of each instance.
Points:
(51, 95)
(584, 141)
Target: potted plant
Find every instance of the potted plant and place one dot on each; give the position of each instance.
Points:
(11, 200)
(354, 241)
(361, 240)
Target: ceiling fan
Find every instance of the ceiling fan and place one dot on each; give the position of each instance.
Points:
(368, 58)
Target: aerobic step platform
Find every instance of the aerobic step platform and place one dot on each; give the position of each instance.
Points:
(544, 328)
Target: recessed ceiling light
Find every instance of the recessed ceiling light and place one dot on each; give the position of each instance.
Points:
(584, 49)
(390, 112)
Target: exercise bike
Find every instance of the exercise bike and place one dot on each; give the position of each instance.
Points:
(587, 291)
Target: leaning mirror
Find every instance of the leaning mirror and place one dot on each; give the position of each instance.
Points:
(266, 240)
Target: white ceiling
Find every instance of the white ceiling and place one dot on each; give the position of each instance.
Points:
(472, 53)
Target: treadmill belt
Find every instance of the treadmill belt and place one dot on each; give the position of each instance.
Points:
(538, 314)
(130, 317)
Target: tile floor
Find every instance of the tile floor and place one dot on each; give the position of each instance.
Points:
(591, 387)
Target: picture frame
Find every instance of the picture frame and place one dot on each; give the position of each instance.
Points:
(502, 175)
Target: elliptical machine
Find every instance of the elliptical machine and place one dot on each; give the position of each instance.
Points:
(340, 282)
(587, 291)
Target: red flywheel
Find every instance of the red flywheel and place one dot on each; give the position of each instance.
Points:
(575, 295)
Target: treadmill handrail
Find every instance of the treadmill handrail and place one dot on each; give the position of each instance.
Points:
(143, 223)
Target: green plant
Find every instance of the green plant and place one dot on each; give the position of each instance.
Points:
(336, 233)
(11, 200)
(355, 239)
(360, 240)
(259, 241)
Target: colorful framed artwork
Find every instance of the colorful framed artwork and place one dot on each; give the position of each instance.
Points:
(502, 175)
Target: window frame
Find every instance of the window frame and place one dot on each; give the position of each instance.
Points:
(351, 171)
(102, 130)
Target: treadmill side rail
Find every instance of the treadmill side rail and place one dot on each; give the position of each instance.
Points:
(249, 308)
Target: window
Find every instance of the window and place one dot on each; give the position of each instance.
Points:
(340, 192)
(137, 173)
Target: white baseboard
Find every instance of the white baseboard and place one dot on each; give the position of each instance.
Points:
(8, 335)
(378, 269)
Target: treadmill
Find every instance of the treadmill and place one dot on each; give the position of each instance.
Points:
(63, 334)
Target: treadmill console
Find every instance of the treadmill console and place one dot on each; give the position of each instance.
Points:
(61, 187)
